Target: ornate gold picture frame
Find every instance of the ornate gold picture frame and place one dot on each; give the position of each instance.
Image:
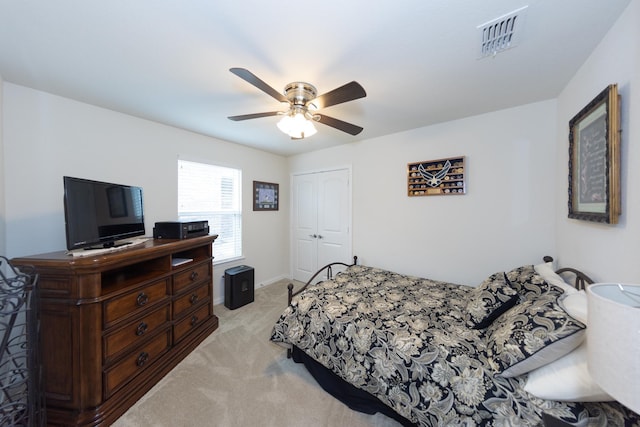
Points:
(594, 159)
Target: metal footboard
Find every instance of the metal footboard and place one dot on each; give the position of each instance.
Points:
(329, 270)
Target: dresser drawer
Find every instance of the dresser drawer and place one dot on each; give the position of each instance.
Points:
(188, 277)
(191, 299)
(135, 332)
(136, 301)
(190, 322)
(136, 362)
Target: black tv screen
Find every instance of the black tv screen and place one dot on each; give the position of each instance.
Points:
(98, 214)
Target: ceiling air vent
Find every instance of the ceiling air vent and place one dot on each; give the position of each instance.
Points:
(501, 33)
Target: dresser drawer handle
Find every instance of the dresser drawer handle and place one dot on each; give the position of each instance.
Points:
(141, 329)
(193, 299)
(194, 275)
(142, 299)
(142, 358)
(194, 320)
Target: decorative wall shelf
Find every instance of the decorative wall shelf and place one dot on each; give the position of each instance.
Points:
(441, 177)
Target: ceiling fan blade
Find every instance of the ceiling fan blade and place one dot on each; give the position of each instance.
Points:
(339, 124)
(344, 93)
(253, 116)
(249, 77)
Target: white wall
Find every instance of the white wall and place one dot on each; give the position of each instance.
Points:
(506, 219)
(606, 252)
(47, 137)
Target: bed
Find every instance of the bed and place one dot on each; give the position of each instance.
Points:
(508, 352)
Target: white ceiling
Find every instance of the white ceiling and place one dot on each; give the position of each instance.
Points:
(168, 60)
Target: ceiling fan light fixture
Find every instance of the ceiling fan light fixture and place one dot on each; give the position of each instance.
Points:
(297, 121)
(296, 125)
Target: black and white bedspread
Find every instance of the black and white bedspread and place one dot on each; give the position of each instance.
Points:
(424, 349)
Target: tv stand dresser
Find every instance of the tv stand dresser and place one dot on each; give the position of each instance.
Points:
(114, 324)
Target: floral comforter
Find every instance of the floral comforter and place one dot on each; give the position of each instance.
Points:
(403, 339)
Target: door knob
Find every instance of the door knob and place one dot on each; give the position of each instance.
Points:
(313, 235)
(319, 236)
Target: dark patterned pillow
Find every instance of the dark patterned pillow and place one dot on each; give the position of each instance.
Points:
(489, 300)
(530, 335)
(529, 284)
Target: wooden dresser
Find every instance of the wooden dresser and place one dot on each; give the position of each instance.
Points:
(114, 324)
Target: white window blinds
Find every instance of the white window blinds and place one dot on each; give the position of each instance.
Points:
(213, 193)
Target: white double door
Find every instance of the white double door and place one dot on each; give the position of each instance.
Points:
(321, 221)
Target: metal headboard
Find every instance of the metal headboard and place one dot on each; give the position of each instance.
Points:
(580, 280)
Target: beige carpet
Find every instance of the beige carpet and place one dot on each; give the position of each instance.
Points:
(237, 377)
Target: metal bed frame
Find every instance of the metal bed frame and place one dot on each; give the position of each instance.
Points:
(21, 395)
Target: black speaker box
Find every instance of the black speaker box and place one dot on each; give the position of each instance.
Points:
(238, 286)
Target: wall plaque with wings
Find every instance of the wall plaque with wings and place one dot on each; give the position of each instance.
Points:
(440, 177)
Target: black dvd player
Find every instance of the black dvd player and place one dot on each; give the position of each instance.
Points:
(180, 229)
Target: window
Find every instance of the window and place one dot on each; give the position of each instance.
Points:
(213, 193)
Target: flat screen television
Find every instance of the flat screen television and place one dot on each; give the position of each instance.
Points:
(101, 214)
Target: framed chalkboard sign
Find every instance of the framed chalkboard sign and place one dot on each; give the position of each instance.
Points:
(594, 159)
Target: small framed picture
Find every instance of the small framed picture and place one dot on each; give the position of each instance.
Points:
(594, 160)
(265, 196)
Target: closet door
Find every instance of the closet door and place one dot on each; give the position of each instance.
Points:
(305, 219)
(333, 217)
(321, 221)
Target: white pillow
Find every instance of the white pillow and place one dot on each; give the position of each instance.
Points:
(551, 277)
(575, 305)
(566, 379)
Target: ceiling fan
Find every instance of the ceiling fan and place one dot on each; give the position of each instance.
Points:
(303, 104)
